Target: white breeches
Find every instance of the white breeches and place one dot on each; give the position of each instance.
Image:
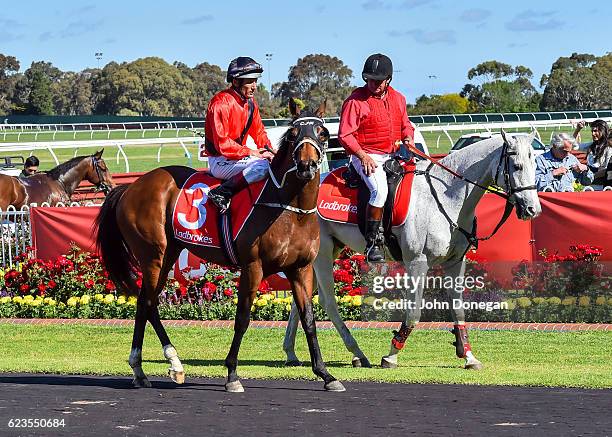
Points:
(377, 181)
(253, 169)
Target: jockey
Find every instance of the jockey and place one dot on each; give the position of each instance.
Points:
(373, 120)
(232, 115)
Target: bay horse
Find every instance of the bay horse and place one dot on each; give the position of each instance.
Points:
(56, 185)
(281, 235)
(438, 231)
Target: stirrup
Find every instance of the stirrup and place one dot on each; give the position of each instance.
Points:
(375, 254)
(220, 201)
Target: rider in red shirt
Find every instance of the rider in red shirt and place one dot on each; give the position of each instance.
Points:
(372, 121)
(232, 116)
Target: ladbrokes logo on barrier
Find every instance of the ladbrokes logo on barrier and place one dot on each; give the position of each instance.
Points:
(337, 206)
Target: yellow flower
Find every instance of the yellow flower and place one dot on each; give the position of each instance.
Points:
(356, 301)
(51, 302)
(267, 296)
(288, 307)
(554, 301)
(511, 304)
(99, 297)
(28, 298)
(252, 308)
(121, 300)
(132, 300)
(235, 300)
(610, 301)
(337, 298)
(18, 299)
(601, 300)
(85, 299)
(568, 301)
(538, 300)
(346, 299)
(72, 302)
(278, 301)
(315, 299)
(35, 302)
(523, 302)
(288, 299)
(584, 301)
(109, 298)
(5, 299)
(369, 300)
(261, 302)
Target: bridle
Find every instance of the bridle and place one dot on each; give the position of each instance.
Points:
(308, 123)
(101, 185)
(503, 166)
(307, 135)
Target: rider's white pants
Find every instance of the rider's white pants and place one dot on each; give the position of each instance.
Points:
(377, 181)
(253, 169)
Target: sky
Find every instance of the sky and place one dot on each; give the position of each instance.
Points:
(433, 43)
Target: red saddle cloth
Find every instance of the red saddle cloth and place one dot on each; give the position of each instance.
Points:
(196, 221)
(337, 202)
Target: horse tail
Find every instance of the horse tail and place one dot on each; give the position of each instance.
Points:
(118, 259)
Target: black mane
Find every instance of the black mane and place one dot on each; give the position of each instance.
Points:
(64, 167)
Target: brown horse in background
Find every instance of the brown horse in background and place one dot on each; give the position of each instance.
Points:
(281, 235)
(56, 185)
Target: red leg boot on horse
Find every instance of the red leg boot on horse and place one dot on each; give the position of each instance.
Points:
(463, 348)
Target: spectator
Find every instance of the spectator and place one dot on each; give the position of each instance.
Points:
(30, 167)
(599, 152)
(558, 169)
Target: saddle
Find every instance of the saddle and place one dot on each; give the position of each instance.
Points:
(395, 168)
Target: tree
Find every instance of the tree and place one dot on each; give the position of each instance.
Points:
(73, 94)
(314, 78)
(40, 100)
(579, 82)
(502, 88)
(444, 104)
(207, 80)
(147, 86)
(9, 67)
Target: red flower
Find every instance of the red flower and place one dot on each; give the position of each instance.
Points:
(219, 277)
(51, 284)
(264, 286)
(228, 292)
(89, 283)
(42, 288)
(24, 288)
(182, 291)
(210, 286)
(139, 283)
(110, 286)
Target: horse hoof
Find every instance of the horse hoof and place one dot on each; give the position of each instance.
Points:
(141, 383)
(386, 364)
(334, 385)
(293, 363)
(474, 365)
(234, 387)
(177, 377)
(361, 362)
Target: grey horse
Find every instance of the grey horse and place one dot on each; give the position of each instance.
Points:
(442, 209)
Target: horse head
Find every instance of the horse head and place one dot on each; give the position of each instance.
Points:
(98, 173)
(303, 145)
(516, 172)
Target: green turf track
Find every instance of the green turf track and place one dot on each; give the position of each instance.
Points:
(528, 358)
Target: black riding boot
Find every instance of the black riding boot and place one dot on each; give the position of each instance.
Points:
(375, 242)
(221, 196)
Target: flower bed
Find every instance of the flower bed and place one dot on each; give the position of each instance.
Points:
(76, 285)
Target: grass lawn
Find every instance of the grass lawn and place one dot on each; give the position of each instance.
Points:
(572, 359)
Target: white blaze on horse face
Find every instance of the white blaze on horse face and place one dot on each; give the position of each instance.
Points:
(200, 205)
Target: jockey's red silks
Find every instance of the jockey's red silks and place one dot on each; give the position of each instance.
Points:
(373, 124)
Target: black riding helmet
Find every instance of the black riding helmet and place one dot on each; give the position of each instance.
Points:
(377, 67)
(243, 67)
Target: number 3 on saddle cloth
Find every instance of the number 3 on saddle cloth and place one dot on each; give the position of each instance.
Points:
(197, 221)
(343, 197)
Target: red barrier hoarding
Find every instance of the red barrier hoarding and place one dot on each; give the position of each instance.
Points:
(567, 219)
